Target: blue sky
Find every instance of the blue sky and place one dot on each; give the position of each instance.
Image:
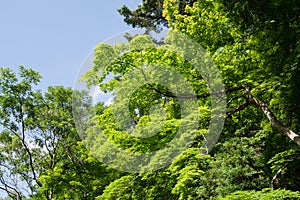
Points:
(54, 37)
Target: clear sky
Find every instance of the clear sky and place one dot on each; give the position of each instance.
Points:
(54, 37)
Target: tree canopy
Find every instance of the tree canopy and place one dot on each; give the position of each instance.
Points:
(59, 144)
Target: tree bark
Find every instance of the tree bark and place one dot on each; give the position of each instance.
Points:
(272, 118)
(250, 99)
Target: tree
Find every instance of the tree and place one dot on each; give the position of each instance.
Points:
(258, 67)
(256, 157)
(249, 49)
(150, 14)
(19, 172)
(41, 153)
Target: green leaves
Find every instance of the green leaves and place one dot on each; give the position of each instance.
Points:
(253, 43)
(39, 153)
(265, 194)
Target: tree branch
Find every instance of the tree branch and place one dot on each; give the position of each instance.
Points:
(239, 108)
(27, 148)
(250, 99)
(274, 121)
(10, 190)
(277, 173)
(188, 96)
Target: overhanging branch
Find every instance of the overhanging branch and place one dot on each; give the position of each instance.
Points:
(272, 118)
(249, 100)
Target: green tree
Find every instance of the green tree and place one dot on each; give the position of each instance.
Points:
(255, 45)
(149, 14)
(19, 156)
(41, 153)
(260, 51)
(256, 48)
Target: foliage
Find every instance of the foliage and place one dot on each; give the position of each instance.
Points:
(265, 194)
(41, 153)
(150, 14)
(254, 44)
